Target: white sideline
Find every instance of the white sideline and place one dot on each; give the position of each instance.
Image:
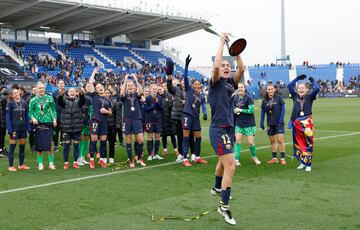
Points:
(138, 169)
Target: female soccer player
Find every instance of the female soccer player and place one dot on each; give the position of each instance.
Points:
(221, 89)
(17, 124)
(153, 110)
(301, 120)
(71, 121)
(86, 111)
(131, 94)
(190, 118)
(98, 123)
(244, 123)
(42, 112)
(273, 106)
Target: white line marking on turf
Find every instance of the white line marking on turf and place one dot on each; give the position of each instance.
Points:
(138, 169)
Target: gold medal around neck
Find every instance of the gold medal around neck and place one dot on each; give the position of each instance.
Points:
(302, 113)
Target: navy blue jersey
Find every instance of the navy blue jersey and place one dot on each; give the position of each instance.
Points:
(99, 102)
(153, 109)
(220, 99)
(244, 119)
(193, 101)
(273, 109)
(16, 116)
(131, 106)
(302, 106)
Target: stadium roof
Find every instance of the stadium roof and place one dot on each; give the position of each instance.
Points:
(75, 17)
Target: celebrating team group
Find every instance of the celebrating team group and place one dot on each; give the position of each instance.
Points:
(90, 118)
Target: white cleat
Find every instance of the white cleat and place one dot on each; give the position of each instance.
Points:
(193, 157)
(301, 166)
(237, 163)
(256, 160)
(41, 167)
(157, 157)
(226, 214)
(308, 169)
(150, 158)
(180, 158)
(111, 161)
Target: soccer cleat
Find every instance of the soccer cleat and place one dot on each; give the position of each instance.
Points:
(41, 167)
(102, 164)
(193, 157)
(215, 191)
(150, 158)
(52, 166)
(301, 166)
(283, 162)
(237, 163)
(111, 161)
(226, 214)
(66, 165)
(273, 161)
(84, 161)
(75, 165)
(165, 152)
(80, 162)
(200, 161)
(23, 167)
(92, 164)
(256, 160)
(308, 169)
(132, 165)
(141, 162)
(157, 157)
(12, 169)
(186, 163)
(56, 149)
(179, 158)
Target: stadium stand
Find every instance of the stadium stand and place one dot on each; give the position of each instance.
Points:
(269, 73)
(318, 72)
(351, 71)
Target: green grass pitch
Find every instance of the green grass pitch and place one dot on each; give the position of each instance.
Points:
(264, 197)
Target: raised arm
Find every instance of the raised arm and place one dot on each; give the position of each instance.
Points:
(92, 79)
(123, 88)
(218, 58)
(240, 69)
(291, 85)
(186, 79)
(138, 86)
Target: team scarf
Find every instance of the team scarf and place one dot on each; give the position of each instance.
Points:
(303, 138)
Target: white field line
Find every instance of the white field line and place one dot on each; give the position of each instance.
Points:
(316, 130)
(138, 169)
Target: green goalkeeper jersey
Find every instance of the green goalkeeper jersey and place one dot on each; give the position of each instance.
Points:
(42, 108)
